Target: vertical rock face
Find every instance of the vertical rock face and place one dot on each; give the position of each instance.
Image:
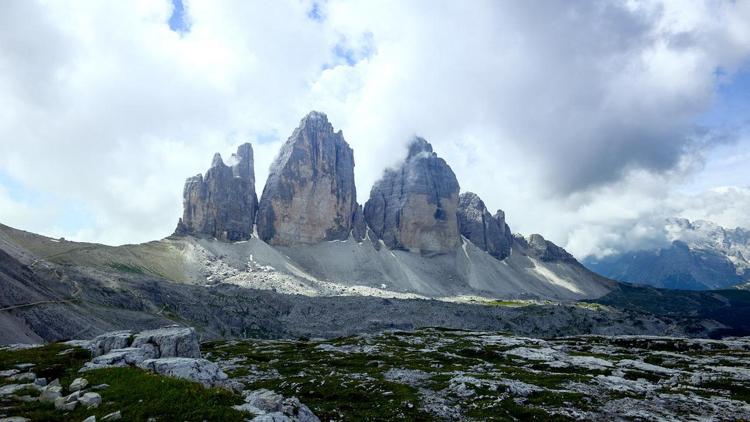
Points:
(310, 194)
(487, 232)
(223, 203)
(414, 207)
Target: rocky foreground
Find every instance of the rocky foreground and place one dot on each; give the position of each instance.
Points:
(430, 374)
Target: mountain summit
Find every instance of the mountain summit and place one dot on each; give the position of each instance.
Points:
(310, 194)
(413, 207)
(223, 203)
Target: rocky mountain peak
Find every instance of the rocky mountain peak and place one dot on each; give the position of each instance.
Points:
(223, 203)
(414, 206)
(217, 161)
(310, 194)
(487, 232)
(418, 146)
(244, 164)
(538, 247)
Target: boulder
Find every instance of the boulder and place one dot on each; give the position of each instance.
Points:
(104, 343)
(310, 194)
(271, 406)
(114, 416)
(168, 342)
(117, 358)
(78, 384)
(265, 400)
(68, 402)
(50, 393)
(198, 370)
(9, 389)
(484, 230)
(223, 203)
(272, 417)
(90, 400)
(24, 377)
(414, 207)
(9, 373)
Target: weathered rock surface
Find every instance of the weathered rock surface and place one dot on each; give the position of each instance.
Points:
(116, 358)
(151, 344)
(78, 384)
(273, 407)
(51, 393)
(104, 343)
(494, 376)
(198, 370)
(414, 206)
(488, 232)
(310, 194)
(538, 247)
(169, 342)
(223, 203)
(90, 400)
(114, 416)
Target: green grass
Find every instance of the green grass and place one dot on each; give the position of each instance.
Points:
(136, 393)
(139, 395)
(48, 363)
(126, 268)
(736, 390)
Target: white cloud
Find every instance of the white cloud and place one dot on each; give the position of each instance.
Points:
(575, 118)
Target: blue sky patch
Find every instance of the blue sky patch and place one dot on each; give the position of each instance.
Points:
(316, 12)
(178, 22)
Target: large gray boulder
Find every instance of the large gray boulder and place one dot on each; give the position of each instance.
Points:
(198, 370)
(310, 194)
(273, 407)
(488, 232)
(223, 203)
(128, 356)
(164, 342)
(169, 342)
(104, 343)
(413, 207)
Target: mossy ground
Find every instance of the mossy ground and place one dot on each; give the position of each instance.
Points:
(430, 374)
(137, 394)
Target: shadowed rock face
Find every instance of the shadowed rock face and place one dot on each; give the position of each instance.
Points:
(487, 232)
(310, 194)
(538, 247)
(223, 203)
(414, 207)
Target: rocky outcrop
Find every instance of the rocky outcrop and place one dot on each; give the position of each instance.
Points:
(273, 407)
(132, 349)
(173, 351)
(197, 370)
(538, 247)
(169, 342)
(104, 343)
(413, 207)
(484, 230)
(223, 203)
(310, 194)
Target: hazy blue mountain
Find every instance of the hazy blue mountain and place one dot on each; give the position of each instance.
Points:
(702, 256)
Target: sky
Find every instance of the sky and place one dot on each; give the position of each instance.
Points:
(589, 122)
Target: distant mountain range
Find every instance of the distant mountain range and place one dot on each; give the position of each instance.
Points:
(702, 256)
